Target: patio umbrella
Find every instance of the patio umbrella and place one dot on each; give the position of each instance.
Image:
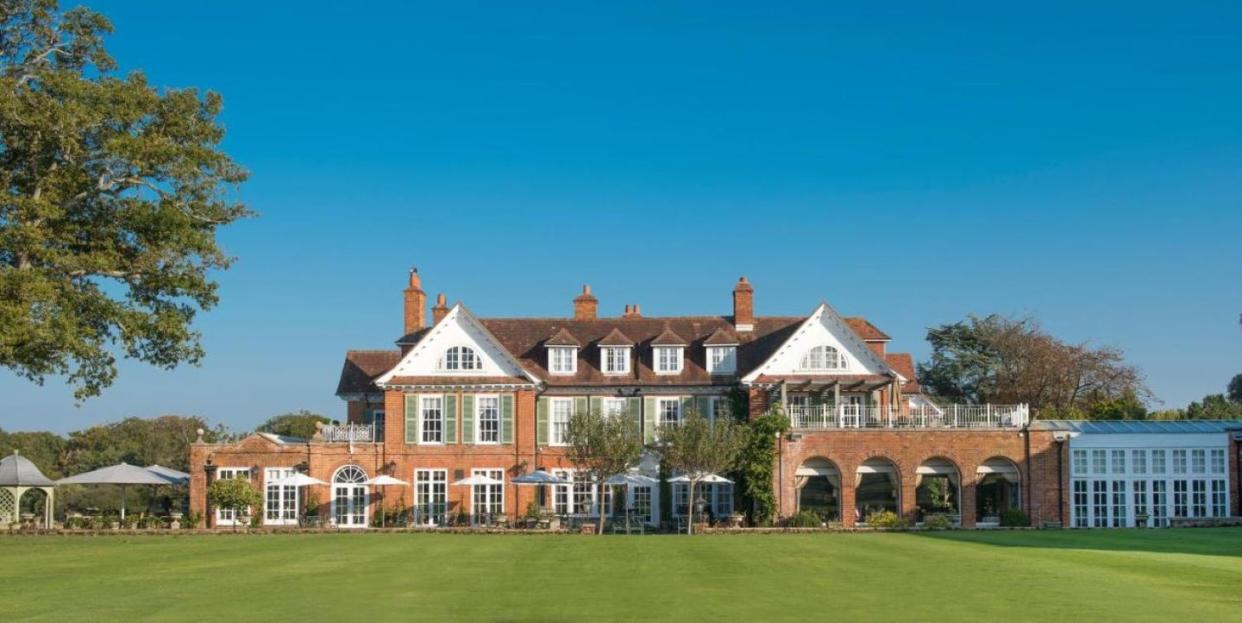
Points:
(477, 479)
(170, 473)
(122, 474)
(627, 481)
(536, 478)
(381, 481)
(711, 478)
(298, 479)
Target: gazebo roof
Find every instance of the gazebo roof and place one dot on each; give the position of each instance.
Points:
(18, 471)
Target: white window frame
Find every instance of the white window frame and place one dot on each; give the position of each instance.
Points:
(562, 351)
(478, 419)
(447, 365)
(722, 359)
(812, 363)
(612, 407)
(623, 358)
(1079, 461)
(227, 516)
(356, 500)
(490, 493)
(1218, 462)
(714, 404)
(668, 359)
(422, 428)
(659, 407)
(286, 498)
(553, 438)
(430, 500)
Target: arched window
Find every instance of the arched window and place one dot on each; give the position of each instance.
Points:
(461, 358)
(350, 497)
(822, 358)
(350, 474)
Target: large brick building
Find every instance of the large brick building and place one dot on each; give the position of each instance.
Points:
(463, 397)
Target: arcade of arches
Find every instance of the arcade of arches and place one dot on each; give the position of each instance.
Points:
(838, 479)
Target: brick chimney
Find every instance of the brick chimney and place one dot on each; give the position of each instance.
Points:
(415, 304)
(440, 310)
(743, 306)
(585, 305)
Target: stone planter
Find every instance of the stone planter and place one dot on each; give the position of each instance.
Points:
(735, 520)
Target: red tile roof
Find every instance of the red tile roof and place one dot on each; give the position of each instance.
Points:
(903, 364)
(668, 337)
(361, 369)
(562, 338)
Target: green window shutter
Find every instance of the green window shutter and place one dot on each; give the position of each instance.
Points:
(580, 404)
(411, 418)
(450, 418)
(633, 407)
(541, 421)
(704, 405)
(506, 418)
(467, 418)
(597, 404)
(649, 425)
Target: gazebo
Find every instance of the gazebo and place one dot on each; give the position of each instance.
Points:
(17, 476)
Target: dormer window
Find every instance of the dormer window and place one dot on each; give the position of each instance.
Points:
(461, 358)
(614, 359)
(668, 359)
(822, 358)
(562, 359)
(722, 359)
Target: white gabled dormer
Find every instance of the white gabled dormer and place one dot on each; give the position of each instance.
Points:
(823, 345)
(458, 345)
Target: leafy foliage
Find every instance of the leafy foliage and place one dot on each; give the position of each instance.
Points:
(295, 424)
(757, 462)
(886, 519)
(114, 192)
(602, 447)
(1014, 518)
(1234, 392)
(697, 447)
(806, 519)
(234, 494)
(1005, 360)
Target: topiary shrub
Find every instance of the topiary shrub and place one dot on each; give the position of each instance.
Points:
(886, 519)
(937, 521)
(806, 519)
(1014, 518)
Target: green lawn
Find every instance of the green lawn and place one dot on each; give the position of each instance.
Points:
(1182, 575)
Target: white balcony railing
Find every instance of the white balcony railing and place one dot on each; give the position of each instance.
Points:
(844, 416)
(348, 433)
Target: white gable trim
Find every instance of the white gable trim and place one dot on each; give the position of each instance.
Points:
(459, 327)
(825, 314)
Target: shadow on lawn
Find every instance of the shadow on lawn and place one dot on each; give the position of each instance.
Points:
(1201, 541)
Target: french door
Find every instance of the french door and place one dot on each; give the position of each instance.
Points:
(349, 497)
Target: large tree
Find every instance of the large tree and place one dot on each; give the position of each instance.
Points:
(296, 424)
(603, 447)
(114, 193)
(698, 448)
(1006, 360)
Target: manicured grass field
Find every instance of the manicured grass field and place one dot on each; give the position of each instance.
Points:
(1165, 575)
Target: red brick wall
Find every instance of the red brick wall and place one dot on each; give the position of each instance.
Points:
(907, 449)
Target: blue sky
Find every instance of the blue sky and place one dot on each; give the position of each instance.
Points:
(905, 162)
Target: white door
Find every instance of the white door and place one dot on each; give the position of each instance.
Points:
(349, 497)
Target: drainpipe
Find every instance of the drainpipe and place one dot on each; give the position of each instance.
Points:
(1061, 482)
(1026, 450)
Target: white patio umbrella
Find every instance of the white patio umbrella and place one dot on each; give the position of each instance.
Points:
(381, 481)
(536, 478)
(706, 478)
(122, 474)
(298, 479)
(710, 478)
(629, 480)
(478, 479)
(170, 473)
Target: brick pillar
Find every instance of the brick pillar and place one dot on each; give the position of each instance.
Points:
(758, 400)
(848, 481)
(968, 500)
(394, 422)
(909, 495)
